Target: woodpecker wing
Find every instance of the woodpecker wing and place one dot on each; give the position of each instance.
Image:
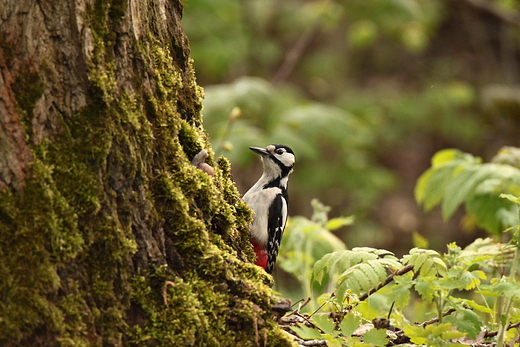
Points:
(275, 227)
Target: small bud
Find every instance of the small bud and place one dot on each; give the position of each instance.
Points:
(235, 113)
(227, 146)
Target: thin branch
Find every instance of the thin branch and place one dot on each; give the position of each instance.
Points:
(436, 319)
(300, 305)
(294, 55)
(495, 333)
(313, 343)
(319, 308)
(389, 279)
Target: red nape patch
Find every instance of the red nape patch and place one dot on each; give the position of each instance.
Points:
(261, 254)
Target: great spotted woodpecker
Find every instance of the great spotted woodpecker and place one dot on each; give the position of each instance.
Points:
(268, 199)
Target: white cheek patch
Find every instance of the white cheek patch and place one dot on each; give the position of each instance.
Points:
(287, 159)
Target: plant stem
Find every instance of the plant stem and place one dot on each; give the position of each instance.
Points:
(504, 317)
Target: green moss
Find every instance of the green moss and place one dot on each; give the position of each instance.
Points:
(28, 89)
(121, 163)
(40, 229)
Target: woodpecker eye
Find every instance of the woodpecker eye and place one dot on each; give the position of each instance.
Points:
(279, 151)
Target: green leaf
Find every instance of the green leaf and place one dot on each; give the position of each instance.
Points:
(427, 261)
(472, 279)
(478, 307)
(485, 208)
(306, 332)
(457, 178)
(417, 335)
(511, 197)
(419, 241)
(324, 323)
(358, 269)
(429, 189)
(349, 324)
(361, 277)
(506, 289)
(466, 321)
(376, 337)
(400, 293)
(430, 334)
(336, 223)
(444, 156)
(459, 187)
(424, 286)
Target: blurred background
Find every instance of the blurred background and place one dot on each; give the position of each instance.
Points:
(364, 92)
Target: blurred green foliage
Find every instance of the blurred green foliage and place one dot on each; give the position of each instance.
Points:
(464, 293)
(363, 91)
(457, 178)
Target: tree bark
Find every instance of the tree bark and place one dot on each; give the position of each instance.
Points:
(108, 234)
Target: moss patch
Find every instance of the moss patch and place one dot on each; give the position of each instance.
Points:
(117, 238)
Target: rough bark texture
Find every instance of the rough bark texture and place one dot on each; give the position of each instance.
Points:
(108, 236)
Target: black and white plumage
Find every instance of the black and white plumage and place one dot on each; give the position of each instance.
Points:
(268, 199)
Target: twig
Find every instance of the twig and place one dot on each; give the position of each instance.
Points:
(300, 305)
(495, 333)
(436, 319)
(389, 279)
(319, 308)
(313, 343)
(291, 59)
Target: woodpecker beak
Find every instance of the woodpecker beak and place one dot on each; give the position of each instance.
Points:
(262, 151)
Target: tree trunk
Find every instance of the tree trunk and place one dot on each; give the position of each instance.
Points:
(108, 234)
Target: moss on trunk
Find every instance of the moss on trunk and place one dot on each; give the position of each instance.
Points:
(111, 236)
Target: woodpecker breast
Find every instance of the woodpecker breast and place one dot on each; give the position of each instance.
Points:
(269, 200)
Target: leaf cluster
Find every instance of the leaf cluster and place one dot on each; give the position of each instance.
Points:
(465, 296)
(462, 293)
(457, 178)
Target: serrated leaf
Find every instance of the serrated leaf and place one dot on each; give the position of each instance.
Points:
(478, 307)
(359, 269)
(417, 335)
(324, 323)
(466, 321)
(472, 279)
(424, 287)
(440, 266)
(426, 261)
(376, 337)
(349, 324)
(400, 294)
(361, 277)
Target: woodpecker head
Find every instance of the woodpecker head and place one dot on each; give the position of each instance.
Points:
(278, 160)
